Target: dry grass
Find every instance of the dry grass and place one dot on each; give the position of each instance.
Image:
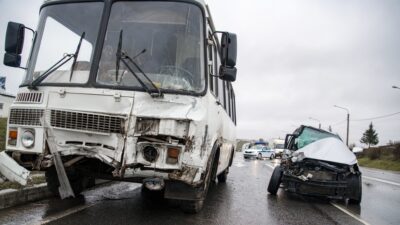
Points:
(12, 185)
(3, 130)
(384, 157)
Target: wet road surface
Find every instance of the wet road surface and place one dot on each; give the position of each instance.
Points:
(242, 200)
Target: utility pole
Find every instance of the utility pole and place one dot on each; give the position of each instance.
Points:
(348, 122)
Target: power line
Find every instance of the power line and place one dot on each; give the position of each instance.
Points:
(366, 119)
(378, 117)
(339, 122)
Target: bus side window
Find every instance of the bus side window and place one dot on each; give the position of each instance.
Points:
(225, 96)
(215, 71)
(210, 66)
(220, 89)
(229, 100)
(234, 106)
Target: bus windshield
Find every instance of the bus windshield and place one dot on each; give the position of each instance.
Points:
(61, 28)
(165, 39)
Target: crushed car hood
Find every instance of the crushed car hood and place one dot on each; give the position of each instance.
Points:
(329, 149)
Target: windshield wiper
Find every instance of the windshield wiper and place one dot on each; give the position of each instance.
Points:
(124, 58)
(57, 65)
(76, 55)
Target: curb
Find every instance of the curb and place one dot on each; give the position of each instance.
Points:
(12, 197)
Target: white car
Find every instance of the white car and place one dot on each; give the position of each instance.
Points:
(259, 152)
(266, 153)
(253, 151)
(278, 149)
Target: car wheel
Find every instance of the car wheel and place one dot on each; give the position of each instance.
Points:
(275, 180)
(354, 182)
(259, 156)
(272, 157)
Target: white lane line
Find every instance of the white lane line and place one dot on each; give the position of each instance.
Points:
(383, 181)
(66, 213)
(272, 167)
(239, 165)
(350, 214)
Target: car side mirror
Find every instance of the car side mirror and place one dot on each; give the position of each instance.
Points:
(287, 140)
(227, 70)
(14, 44)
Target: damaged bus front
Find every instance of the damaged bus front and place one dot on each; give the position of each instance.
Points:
(125, 90)
(318, 163)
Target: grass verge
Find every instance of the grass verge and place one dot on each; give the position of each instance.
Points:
(384, 164)
(3, 130)
(12, 185)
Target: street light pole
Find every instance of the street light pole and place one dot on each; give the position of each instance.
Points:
(319, 122)
(348, 122)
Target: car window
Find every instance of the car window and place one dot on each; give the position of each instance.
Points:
(309, 136)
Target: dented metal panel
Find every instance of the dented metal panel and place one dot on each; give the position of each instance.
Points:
(12, 171)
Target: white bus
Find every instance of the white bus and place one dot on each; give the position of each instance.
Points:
(134, 91)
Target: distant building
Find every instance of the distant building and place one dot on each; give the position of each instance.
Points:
(5, 102)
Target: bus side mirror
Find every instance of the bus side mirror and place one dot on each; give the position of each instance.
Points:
(12, 60)
(227, 70)
(14, 43)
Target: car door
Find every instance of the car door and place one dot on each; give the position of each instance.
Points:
(263, 152)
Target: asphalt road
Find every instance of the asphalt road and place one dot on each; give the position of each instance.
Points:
(242, 200)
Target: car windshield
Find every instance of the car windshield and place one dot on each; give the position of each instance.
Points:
(59, 32)
(309, 135)
(165, 39)
(259, 147)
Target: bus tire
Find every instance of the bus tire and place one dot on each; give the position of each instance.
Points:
(223, 176)
(194, 206)
(77, 181)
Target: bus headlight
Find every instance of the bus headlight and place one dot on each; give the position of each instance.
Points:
(28, 139)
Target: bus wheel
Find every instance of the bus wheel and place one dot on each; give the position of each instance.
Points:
(194, 206)
(223, 176)
(77, 181)
(151, 196)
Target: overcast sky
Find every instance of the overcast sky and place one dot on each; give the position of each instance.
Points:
(296, 59)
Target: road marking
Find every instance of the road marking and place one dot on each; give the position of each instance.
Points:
(66, 213)
(383, 181)
(272, 167)
(350, 214)
(239, 165)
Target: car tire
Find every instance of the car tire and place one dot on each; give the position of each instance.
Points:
(272, 157)
(223, 176)
(354, 182)
(275, 181)
(259, 156)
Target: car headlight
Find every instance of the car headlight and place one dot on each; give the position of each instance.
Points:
(28, 139)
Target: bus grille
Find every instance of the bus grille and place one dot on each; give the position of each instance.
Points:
(30, 117)
(87, 122)
(31, 97)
